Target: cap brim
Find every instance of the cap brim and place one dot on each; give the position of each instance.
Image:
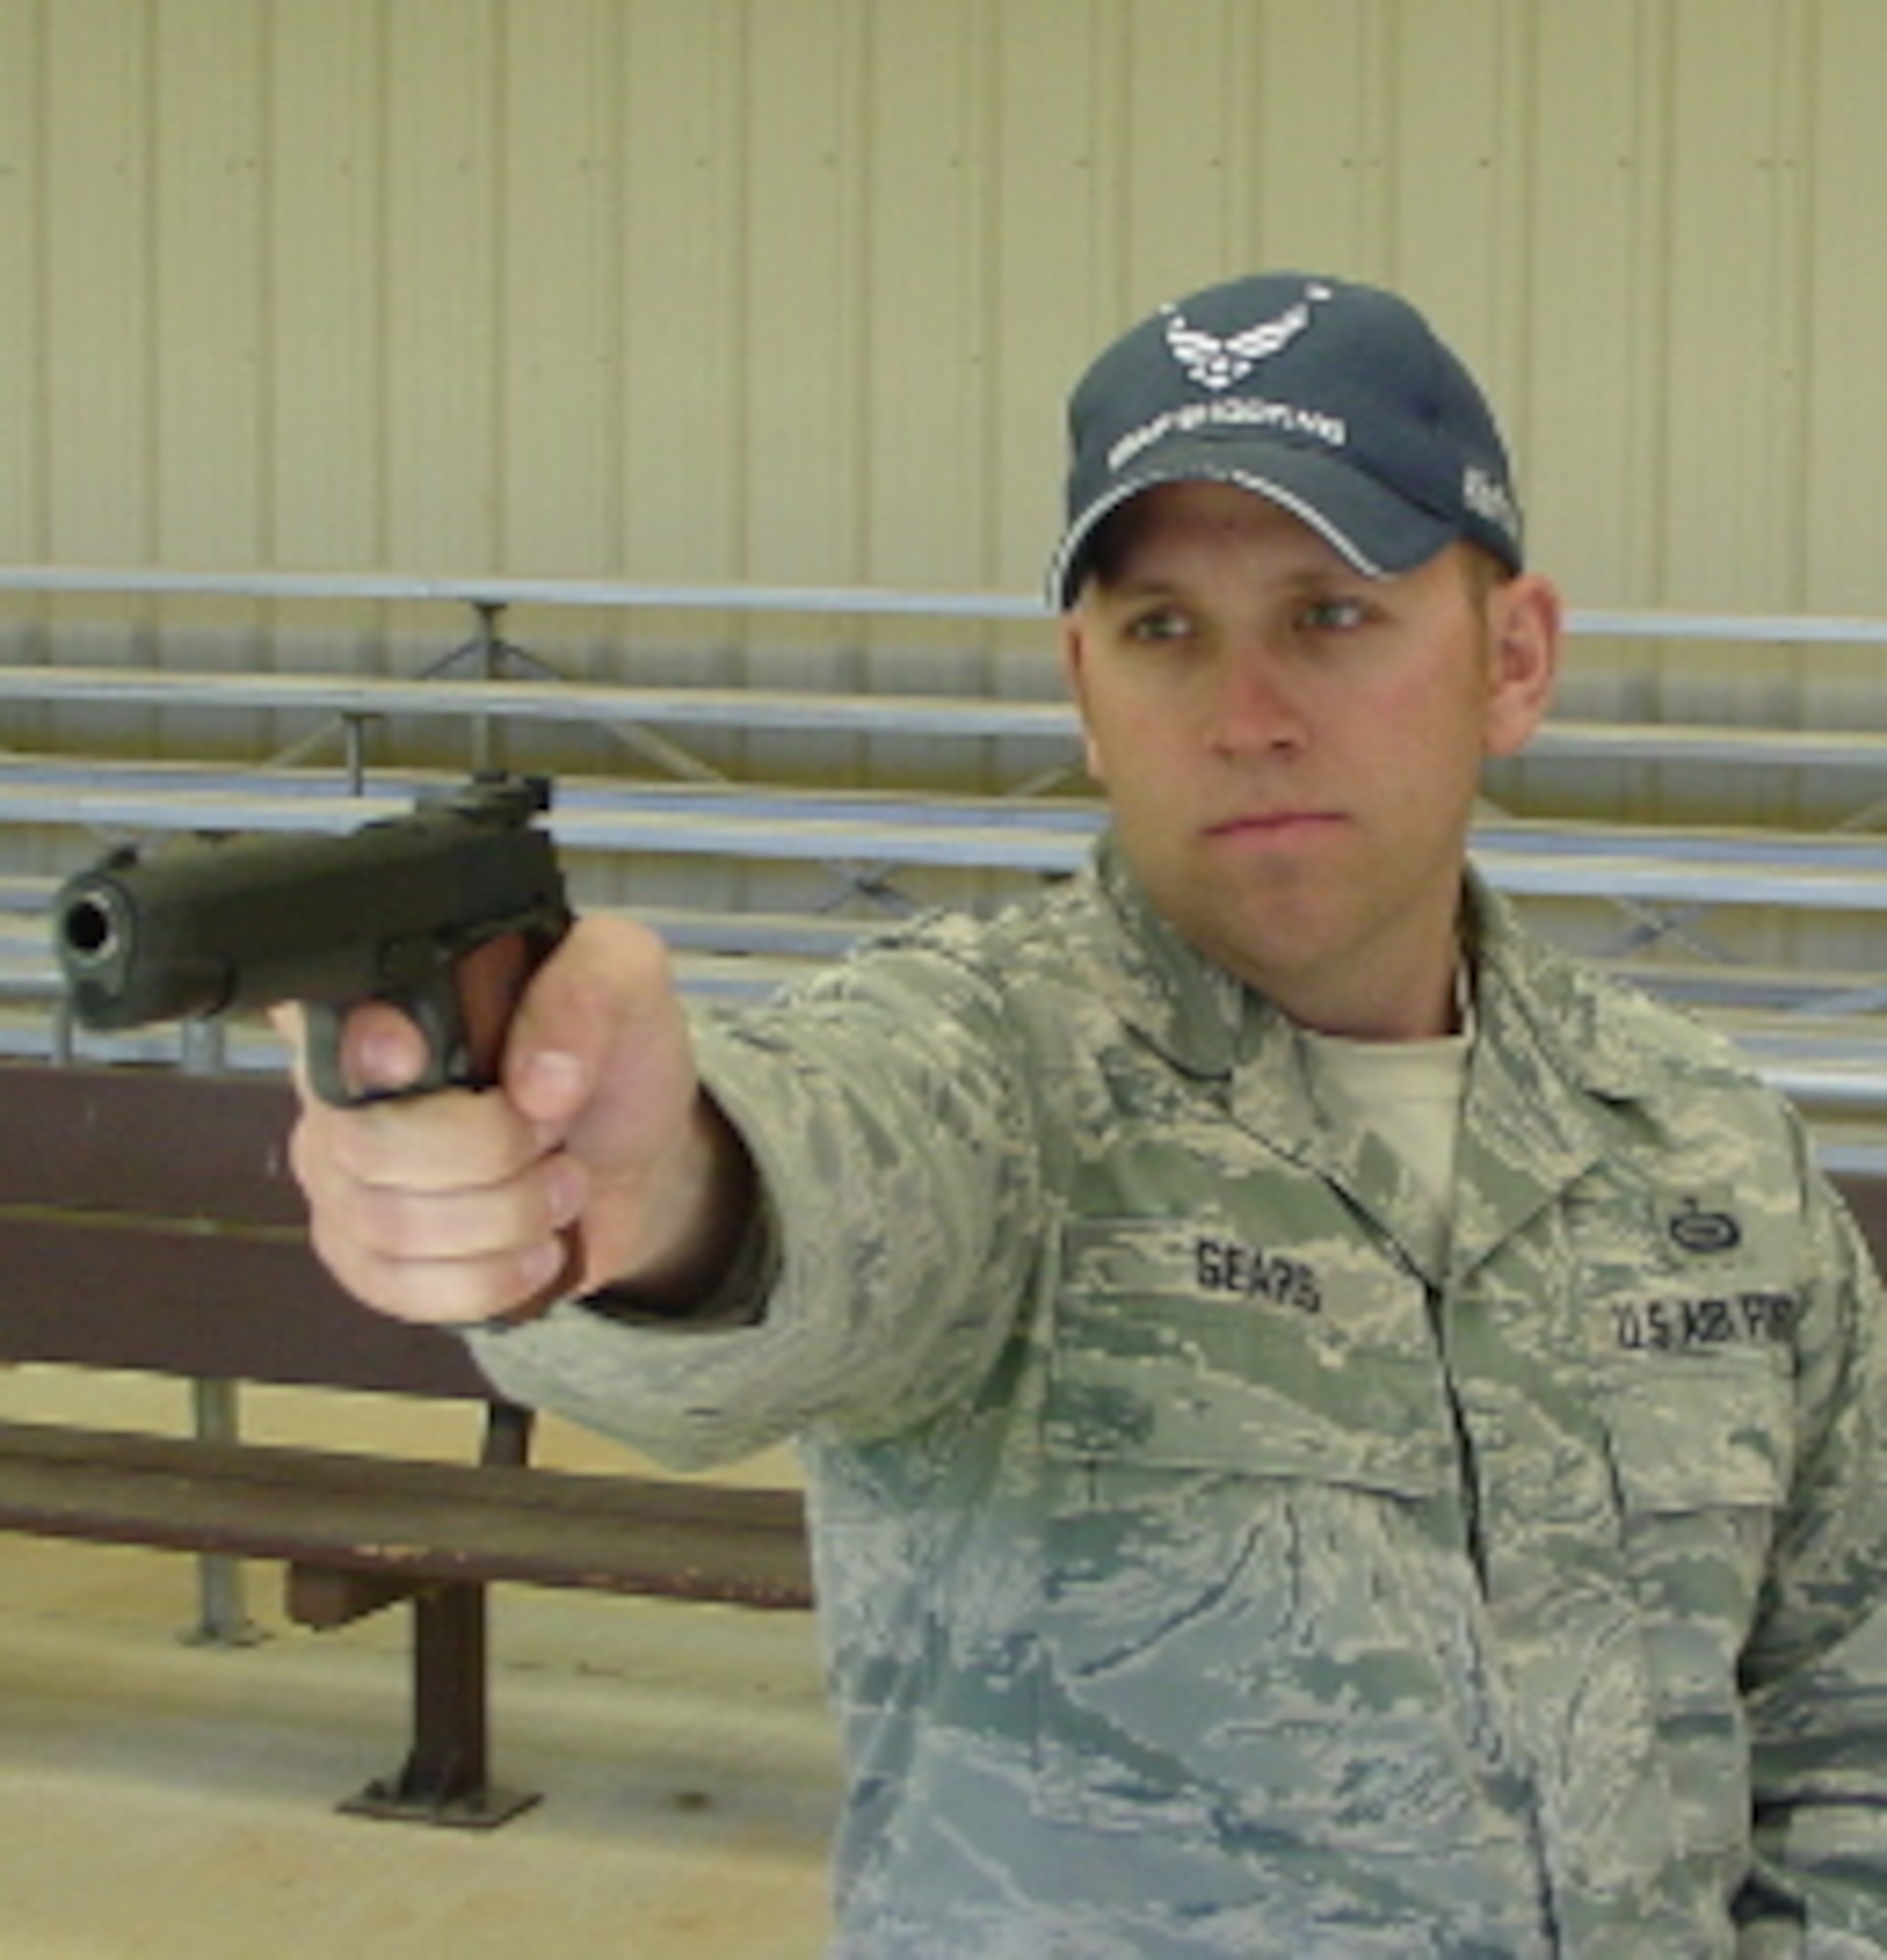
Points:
(1376, 531)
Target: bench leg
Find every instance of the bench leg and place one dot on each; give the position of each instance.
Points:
(222, 1610)
(445, 1777)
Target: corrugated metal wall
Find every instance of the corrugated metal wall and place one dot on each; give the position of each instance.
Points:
(790, 291)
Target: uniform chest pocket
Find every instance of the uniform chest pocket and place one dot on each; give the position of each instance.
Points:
(1209, 1469)
(1702, 1453)
(1244, 1496)
(1692, 1434)
(1180, 1352)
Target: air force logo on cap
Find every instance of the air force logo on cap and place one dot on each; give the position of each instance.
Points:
(1334, 400)
(1222, 363)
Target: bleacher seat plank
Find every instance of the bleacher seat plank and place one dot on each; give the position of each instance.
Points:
(421, 1519)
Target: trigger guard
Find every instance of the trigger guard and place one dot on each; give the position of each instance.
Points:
(446, 1064)
(322, 1023)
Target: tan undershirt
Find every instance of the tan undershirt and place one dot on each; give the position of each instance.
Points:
(1408, 1094)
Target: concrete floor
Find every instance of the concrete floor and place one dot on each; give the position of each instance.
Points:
(161, 1798)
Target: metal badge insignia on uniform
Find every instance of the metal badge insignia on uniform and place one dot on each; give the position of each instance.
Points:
(1704, 1228)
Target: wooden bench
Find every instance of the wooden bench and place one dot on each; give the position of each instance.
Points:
(147, 1222)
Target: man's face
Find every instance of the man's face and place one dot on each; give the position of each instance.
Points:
(1291, 751)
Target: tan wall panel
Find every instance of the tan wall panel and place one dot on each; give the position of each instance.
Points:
(22, 480)
(443, 271)
(209, 209)
(557, 280)
(789, 290)
(1842, 266)
(1054, 287)
(1841, 510)
(682, 300)
(800, 376)
(1732, 376)
(927, 215)
(1589, 417)
(96, 246)
(326, 270)
(1167, 132)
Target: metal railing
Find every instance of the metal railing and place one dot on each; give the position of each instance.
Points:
(1662, 877)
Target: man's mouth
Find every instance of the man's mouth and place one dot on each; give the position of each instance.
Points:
(1260, 824)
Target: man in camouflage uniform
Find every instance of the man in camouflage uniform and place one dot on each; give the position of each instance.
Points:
(1330, 1430)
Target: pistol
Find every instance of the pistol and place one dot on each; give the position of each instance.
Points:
(445, 912)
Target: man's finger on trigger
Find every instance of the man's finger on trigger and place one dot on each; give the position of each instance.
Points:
(381, 1049)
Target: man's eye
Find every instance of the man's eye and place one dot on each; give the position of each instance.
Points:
(1333, 615)
(1161, 622)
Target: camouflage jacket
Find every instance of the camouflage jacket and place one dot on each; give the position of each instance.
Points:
(1204, 1575)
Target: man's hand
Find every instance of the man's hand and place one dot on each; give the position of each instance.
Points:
(596, 1160)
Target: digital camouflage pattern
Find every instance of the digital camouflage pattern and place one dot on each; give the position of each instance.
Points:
(1212, 1567)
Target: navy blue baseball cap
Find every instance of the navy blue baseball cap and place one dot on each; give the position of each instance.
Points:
(1334, 400)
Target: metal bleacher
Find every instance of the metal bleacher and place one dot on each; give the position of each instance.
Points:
(1818, 1030)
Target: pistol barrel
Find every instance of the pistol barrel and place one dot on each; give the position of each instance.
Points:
(214, 927)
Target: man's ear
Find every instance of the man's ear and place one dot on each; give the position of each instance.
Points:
(1524, 618)
(1074, 667)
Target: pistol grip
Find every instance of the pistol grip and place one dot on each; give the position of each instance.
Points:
(465, 1011)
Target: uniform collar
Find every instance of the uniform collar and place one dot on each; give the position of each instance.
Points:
(1563, 1056)
(1534, 999)
(1207, 1022)
(1199, 1018)
(1556, 1045)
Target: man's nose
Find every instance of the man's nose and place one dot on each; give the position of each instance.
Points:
(1256, 711)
